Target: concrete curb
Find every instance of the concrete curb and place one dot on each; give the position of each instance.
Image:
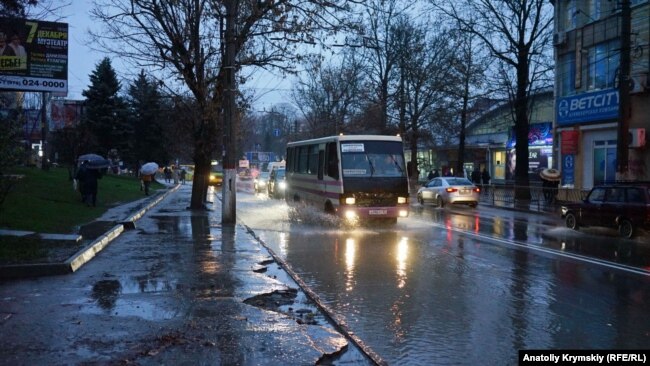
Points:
(85, 254)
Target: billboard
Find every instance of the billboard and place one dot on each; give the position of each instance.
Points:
(33, 55)
(587, 107)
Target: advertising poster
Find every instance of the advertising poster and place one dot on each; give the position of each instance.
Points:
(540, 142)
(33, 55)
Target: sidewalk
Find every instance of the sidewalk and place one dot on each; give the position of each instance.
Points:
(175, 287)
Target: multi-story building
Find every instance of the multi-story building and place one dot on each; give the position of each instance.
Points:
(590, 44)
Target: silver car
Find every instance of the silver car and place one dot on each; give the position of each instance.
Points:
(444, 190)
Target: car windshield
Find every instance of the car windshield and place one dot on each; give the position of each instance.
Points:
(279, 173)
(458, 182)
(263, 175)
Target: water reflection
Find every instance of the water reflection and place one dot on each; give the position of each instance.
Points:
(520, 230)
(350, 257)
(106, 292)
(402, 257)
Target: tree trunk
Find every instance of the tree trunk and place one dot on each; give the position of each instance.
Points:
(522, 189)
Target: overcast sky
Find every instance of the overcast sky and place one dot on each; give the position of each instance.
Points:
(82, 61)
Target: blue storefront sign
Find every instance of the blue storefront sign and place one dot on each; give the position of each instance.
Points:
(568, 163)
(587, 107)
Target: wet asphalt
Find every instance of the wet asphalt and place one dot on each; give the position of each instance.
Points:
(176, 287)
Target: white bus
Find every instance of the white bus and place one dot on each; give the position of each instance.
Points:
(356, 176)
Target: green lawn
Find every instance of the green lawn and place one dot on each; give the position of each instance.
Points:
(45, 202)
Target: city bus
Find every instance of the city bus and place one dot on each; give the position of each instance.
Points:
(355, 177)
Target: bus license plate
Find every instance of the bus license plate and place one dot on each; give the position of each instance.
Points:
(378, 212)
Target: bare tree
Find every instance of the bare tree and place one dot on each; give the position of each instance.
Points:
(328, 95)
(426, 83)
(205, 43)
(381, 56)
(518, 34)
(470, 65)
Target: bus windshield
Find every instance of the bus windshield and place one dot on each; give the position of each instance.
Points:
(372, 159)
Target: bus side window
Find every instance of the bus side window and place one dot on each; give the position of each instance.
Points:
(332, 161)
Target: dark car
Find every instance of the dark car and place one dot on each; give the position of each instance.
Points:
(622, 206)
(277, 184)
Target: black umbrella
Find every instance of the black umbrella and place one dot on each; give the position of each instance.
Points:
(94, 161)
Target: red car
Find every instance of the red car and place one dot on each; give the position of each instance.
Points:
(622, 206)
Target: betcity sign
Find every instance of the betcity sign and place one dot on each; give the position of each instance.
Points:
(587, 107)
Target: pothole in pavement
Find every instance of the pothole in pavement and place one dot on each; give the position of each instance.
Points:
(280, 301)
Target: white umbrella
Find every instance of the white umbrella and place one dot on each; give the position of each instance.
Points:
(550, 174)
(149, 168)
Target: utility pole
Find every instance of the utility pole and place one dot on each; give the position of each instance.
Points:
(624, 91)
(229, 204)
(45, 164)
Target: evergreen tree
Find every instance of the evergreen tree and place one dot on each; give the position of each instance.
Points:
(147, 118)
(106, 116)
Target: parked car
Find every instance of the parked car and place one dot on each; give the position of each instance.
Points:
(622, 206)
(260, 182)
(277, 184)
(444, 190)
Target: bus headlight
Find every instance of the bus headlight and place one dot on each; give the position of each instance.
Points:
(350, 215)
(403, 213)
(349, 200)
(401, 200)
(283, 185)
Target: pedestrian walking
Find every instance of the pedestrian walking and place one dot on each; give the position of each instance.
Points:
(168, 174)
(183, 174)
(175, 174)
(430, 176)
(485, 177)
(146, 182)
(476, 177)
(87, 179)
(436, 174)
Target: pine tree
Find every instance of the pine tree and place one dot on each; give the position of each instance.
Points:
(147, 118)
(106, 114)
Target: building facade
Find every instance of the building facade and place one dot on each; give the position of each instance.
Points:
(490, 142)
(589, 49)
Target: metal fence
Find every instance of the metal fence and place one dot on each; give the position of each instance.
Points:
(542, 198)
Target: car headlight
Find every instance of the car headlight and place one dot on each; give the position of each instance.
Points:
(349, 200)
(212, 177)
(283, 185)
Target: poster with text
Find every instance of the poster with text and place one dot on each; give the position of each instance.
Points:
(33, 55)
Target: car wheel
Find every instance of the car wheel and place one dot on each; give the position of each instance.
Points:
(626, 229)
(571, 221)
(420, 199)
(439, 202)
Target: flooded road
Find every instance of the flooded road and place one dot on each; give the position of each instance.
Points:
(461, 286)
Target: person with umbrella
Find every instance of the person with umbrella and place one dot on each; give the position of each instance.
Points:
(87, 177)
(147, 172)
(550, 181)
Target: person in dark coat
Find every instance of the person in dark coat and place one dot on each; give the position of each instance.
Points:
(485, 176)
(430, 176)
(436, 174)
(87, 178)
(476, 177)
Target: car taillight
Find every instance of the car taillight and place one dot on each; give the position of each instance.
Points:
(477, 189)
(450, 190)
